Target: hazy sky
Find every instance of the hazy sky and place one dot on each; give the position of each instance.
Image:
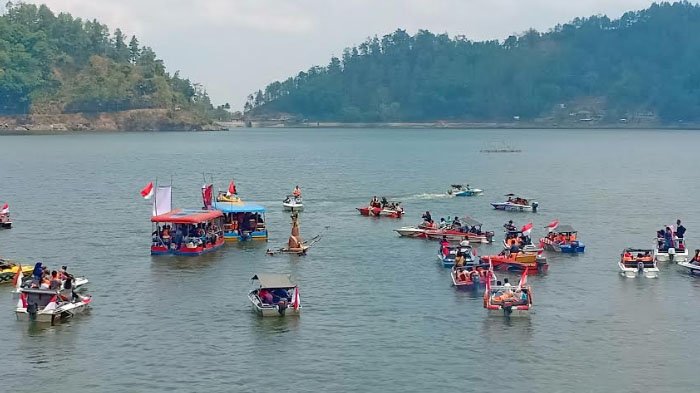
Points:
(234, 47)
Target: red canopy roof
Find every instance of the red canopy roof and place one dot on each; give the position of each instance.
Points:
(180, 216)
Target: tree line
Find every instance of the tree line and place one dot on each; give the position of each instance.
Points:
(644, 62)
(60, 64)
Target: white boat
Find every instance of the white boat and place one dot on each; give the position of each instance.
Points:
(693, 268)
(412, 231)
(516, 204)
(275, 296)
(292, 202)
(463, 191)
(508, 301)
(638, 263)
(677, 253)
(50, 306)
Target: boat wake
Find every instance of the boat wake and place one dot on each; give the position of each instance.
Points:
(427, 196)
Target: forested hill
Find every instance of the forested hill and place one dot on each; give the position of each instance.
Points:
(53, 64)
(645, 64)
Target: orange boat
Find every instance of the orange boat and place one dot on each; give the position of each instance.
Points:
(528, 259)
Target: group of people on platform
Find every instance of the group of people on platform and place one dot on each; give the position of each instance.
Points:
(640, 257)
(454, 224)
(243, 222)
(384, 204)
(506, 293)
(561, 238)
(518, 201)
(273, 296)
(61, 280)
(189, 235)
(666, 237)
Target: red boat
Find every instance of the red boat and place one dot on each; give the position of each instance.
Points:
(530, 261)
(187, 232)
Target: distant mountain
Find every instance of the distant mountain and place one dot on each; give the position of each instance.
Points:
(644, 65)
(56, 64)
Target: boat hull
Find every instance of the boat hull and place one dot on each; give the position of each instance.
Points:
(379, 212)
(410, 232)
(468, 193)
(235, 236)
(6, 225)
(265, 310)
(566, 248)
(647, 272)
(678, 256)
(512, 207)
(692, 269)
(186, 251)
(59, 315)
(292, 206)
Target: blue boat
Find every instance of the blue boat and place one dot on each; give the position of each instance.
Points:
(446, 254)
(242, 221)
(462, 191)
(563, 239)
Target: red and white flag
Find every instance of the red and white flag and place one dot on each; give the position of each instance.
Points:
(53, 304)
(231, 189)
(207, 195)
(147, 191)
(22, 302)
(17, 282)
(474, 252)
(527, 229)
(523, 280)
(552, 225)
(296, 301)
(5, 209)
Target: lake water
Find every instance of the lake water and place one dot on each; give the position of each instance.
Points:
(380, 314)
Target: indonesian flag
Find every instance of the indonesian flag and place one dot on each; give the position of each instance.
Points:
(17, 282)
(527, 229)
(523, 280)
(147, 191)
(53, 304)
(22, 302)
(231, 189)
(552, 225)
(296, 301)
(5, 209)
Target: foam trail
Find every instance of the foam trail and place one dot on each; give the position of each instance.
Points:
(427, 196)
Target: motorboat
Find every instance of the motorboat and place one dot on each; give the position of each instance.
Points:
(563, 239)
(5, 220)
(677, 253)
(635, 262)
(693, 267)
(516, 204)
(508, 301)
(187, 232)
(293, 203)
(468, 228)
(50, 306)
(275, 295)
(382, 209)
(463, 191)
(447, 253)
(8, 270)
(528, 259)
(470, 276)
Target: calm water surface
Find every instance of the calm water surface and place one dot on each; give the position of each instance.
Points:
(379, 313)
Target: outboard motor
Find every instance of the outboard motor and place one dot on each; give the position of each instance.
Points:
(507, 308)
(32, 309)
(671, 253)
(282, 307)
(640, 267)
(534, 206)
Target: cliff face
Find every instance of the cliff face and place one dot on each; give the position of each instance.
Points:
(131, 120)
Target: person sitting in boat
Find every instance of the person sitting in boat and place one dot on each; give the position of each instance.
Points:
(297, 192)
(443, 223)
(279, 295)
(696, 258)
(375, 202)
(510, 200)
(265, 296)
(509, 226)
(467, 187)
(384, 202)
(462, 275)
(456, 224)
(55, 283)
(427, 217)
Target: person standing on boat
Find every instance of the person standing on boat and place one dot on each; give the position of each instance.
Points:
(680, 230)
(297, 192)
(668, 238)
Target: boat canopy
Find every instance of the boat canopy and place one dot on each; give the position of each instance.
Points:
(274, 280)
(233, 207)
(457, 186)
(191, 216)
(564, 229)
(471, 222)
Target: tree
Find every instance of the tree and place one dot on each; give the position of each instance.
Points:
(134, 49)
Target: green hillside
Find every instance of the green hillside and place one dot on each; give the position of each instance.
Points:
(53, 64)
(644, 64)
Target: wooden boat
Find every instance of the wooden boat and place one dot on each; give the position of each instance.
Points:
(508, 301)
(243, 221)
(187, 232)
(636, 262)
(50, 306)
(296, 244)
(563, 239)
(275, 296)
